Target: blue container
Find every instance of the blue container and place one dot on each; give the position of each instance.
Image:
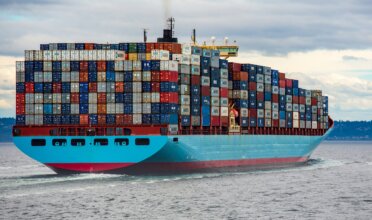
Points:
(164, 118)
(128, 108)
(259, 69)
(128, 87)
(155, 119)
(44, 46)
(267, 96)
(110, 65)
(195, 110)
(38, 66)
(141, 47)
(282, 115)
(47, 87)
(128, 98)
(110, 119)
(252, 95)
(173, 119)
(215, 81)
(146, 86)
(206, 120)
(252, 122)
(295, 83)
(244, 122)
(173, 108)
(274, 74)
(48, 109)
(289, 115)
(205, 71)
(123, 46)
(195, 90)
(39, 87)
(215, 72)
(114, 46)
(83, 98)
(20, 119)
(289, 124)
(224, 64)
(75, 119)
(196, 50)
(146, 65)
(92, 76)
(260, 104)
(241, 103)
(282, 98)
(302, 92)
(57, 119)
(110, 76)
(56, 66)
(83, 108)
(57, 77)
(65, 109)
(62, 46)
(240, 85)
(168, 87)
(155, 65)
(119, 97)
(302, 116)
(308, 116)
(275, 82)
(48, 119)
(295, 91)
(29, 77)
(128, 76)
(93, 119)
(195, 100)
(261, 122)
(20, 87)
(92, 66)
(29, 66)
(245, 67)
(83, 87)
(206, 100)
(65, 119)
(146, 119)
(206, 111)
(308, 108)
(282, 106)
(252, 77)
(74, 66)
(185, 120)
(97, 46)
(165, 108)
(252, 104)
(155, 108)
(288, 91)
(205, 62)
(66, 87)
(79, 46)
(215, 53)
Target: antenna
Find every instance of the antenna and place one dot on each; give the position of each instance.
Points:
(193, 37)
(145, 35)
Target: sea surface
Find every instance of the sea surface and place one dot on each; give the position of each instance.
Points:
(335, 184)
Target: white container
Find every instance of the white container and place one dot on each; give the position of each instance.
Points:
(146, 108)
(137, 119)
(186, 49)
(136, 65)
(30, 98)
(224, 102)
(155, 97)
(184, 99)
(195, 70)
(296, 116)
(74, 76)
(128, 65)
(215, 91)
(137, 108)
(38, 77)
(268, 105)
(65, 66)
(295, 107)
(74, 55)
(110, 97)
(29, 55)
(92, 108)
(288, 107)
(56, 55)
(296, 123)
(47, 66)
(119, 65)
(224, 74)
(146, 76)
(146, 97)
(66, 55)
(119, 108)
(57, 98)
(224, 83)
(110, 108)
(164, 55)
(92, 98)
(137, 76)
(275, 107)
(29, 108)
(137, 86)
(20, 66)
(101, 77)
(56, 109)
(185, 59)
(75, 109)
(244, 112)
(155, 54)
(268, 79)
(177, 57)
(173, 129)
(53, 46)
(185, 110)
(110, 54)
(39, 119)
(260, 78)
(195, 60)
(38, 109)
(101, 54)
(119, 55)
(184, 90)
(30, 119)
(137, 98)
(260, 87)
(75, 87)
(39, 98)
(268, 114)
(48, 77)
(91, 54)
(48, 98)
(205, 81)
(275, 90)
(215, 111)
(173, 65)
(38, 55)
(275, 115)
(47, 55)
(260, 113)
(215, 101)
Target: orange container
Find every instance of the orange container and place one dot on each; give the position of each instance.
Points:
(119, 87)
(83, 76)
(101, 119)
(101, 98)
(92, 87)
(101, 66)
(84, 119)
(101, 109)
(88, 46)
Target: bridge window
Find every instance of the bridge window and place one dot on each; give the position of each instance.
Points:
(38, 142)
(122, 141)
(77, 142)
(142, 141)
(59, 142)
(101, 141)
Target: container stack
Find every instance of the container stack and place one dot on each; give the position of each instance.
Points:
(239, 92)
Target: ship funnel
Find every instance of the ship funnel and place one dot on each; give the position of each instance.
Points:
(168, 33)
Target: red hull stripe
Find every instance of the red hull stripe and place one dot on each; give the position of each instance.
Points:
(88, 167)
(174, 166)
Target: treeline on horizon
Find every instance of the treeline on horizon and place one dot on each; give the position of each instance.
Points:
(343, 130)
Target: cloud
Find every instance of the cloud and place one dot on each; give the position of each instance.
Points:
(353, 58)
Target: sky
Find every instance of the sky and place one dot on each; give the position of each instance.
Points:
(327, 45)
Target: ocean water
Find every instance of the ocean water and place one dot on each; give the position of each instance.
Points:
(336, 184)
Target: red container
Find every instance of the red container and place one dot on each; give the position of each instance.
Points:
(260, 96)
(119, 119)
(157, 46)
(288, 83)
(20, 108)
(74, 97)
(126, 56)
(155, 76)
(84, 119)
(89, 46)
(206, 91)
(282, 76)
(275, 122)
(235, 67)
(29, 87)
(101, 66)
(83, 76)
(168, 46)
(101, 119)
(282, 83)
(215, 120)
(84, 66)
(224, 120)
(92, 87)
(176, 48)
(302, 100)
(20, 98)
(295, 99)
(275, 98)
(149, 47)
(128, 119)
(155, 87)
(119, 87)
(57, 87)
(195, 80)
(169, 97)
(224, 92)
(252, 86)
(101, 109)
(253, 113)
(101, 98)
(314, 101)
(168, 76)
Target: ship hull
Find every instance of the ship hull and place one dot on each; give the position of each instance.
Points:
(174, 154)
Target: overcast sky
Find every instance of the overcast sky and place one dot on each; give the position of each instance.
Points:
(325, 44)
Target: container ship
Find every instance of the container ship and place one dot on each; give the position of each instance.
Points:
(161, 108)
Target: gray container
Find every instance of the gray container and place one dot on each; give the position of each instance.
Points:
(20, 77)
(119, 65)
(308, 124)
(268, 113)
(128, 65)
(110, 87)
(38, 77)
(74, 76)
(110, 98)
(119, 76)
(48, 98)
(48, 77)
(110, 108)
(288, 107)
(288, 99)
(39, 98)
(195, 120)
(268, 105)
(224, 102)
(281, 91)
(268, 123)
(146, 76)
(215, 91)
(282, 123)
(215, 111)
(39, 109)
(137, 108)
(302, 108)
(137, 86)
(47, 66)
(66, 66)
(215, 101)
(302, 124)
(275, 89)
(275, 115)
(92, 108)
(30, 108)
(260, 87)
(75, 87)
(295, 107)
(244, 112)
(215, 62)
(30, 119)
(260, 113)
(137, 98)
(119, 108)
(195, 70)
(275, 106)
(92, 98)
(101, 87)
(65, 98)
(146, 108)
(268, 79)
(185, 99)
(267, 70)
(260, 78)
(224, 83)
(57, 98)
(38, 119)
(56, 109)
(30, 98)
(224, 74)
(183, 68)
(66, 77)
(185, 110)
(75, 109)
(205, 81)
